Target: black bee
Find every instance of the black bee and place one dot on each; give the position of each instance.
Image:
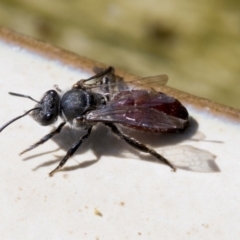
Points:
(105, 98)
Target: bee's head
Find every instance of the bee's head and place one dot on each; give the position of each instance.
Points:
(45, 112)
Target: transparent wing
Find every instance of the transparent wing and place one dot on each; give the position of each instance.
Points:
(158, 80)
(108, 82)
(119, 84)
(150, 82)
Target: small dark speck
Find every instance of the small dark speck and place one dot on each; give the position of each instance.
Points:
(160, 31)
(65, 176)
(205, 225)
(44, 28)
(122, 203)
(97, 212)
(139, 234)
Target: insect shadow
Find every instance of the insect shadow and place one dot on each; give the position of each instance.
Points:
(103, 143)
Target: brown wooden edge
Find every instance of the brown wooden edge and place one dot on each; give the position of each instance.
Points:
(72, 59)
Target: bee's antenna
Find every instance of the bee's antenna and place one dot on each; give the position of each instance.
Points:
(16, 118)
(24, 96)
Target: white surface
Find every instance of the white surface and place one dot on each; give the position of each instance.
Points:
(138, 199)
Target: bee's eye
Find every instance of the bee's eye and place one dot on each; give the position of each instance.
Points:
(48, 116)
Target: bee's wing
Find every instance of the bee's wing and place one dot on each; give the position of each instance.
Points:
(150, 82)
(142, 118)
(107, 82)
(143, 110)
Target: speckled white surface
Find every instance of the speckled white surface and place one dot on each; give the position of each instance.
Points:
(137, 199)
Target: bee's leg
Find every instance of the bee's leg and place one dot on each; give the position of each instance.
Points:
(136, 144)
(71, 151)
(45, 138)
(98, 79)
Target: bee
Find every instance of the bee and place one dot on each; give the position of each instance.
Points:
(106, 98)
